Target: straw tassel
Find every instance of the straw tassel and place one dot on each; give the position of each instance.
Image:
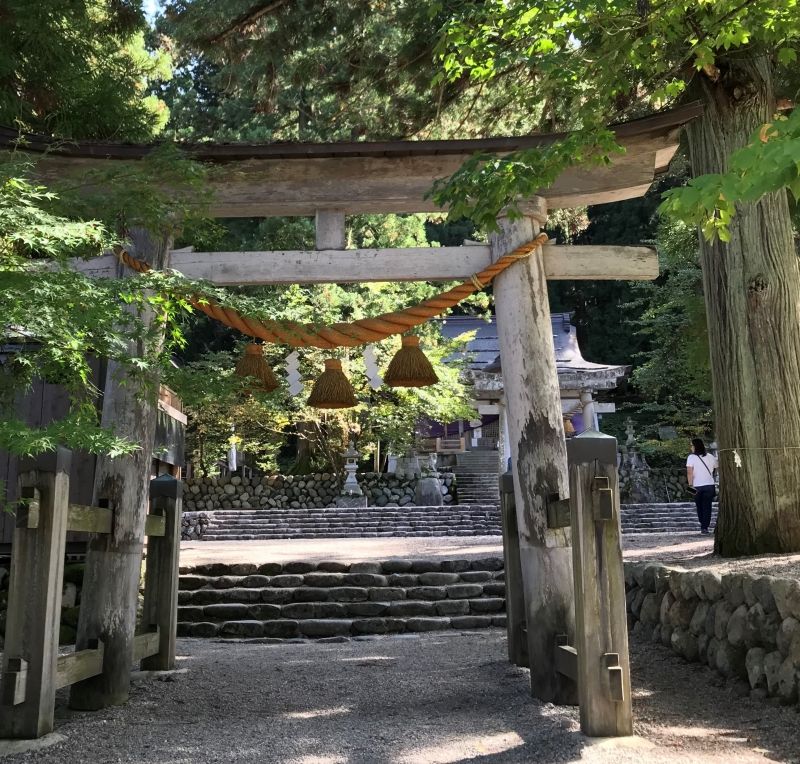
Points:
(333, 389)
(253, 364)
(410, 367)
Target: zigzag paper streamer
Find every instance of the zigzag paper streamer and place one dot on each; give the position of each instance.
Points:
(371, 363)
(293, 373)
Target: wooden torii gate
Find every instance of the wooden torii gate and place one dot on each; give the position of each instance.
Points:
(330, 181)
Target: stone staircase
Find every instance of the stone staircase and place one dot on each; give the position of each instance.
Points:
(677, 517)
(410, 521)
(334, 522)
(339, 600)
(477, 477)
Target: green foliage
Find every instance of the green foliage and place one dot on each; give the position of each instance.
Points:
(604, 60)
(677, 367)
(769, 163)
(79, 69)
(55, 320)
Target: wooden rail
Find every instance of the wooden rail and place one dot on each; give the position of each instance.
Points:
(90, 519)
(80, 665)
(146, 644)
(32, 669)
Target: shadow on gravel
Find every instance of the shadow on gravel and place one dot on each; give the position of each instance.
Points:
(681, 705)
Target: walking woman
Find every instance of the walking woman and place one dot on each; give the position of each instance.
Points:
(700, 468)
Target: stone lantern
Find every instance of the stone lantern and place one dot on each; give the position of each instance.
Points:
(351, 494)
(351, 486)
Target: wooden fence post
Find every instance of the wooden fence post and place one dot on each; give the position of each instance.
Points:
(34, 597)
(161, 573)
(515, 596)
(601, 633)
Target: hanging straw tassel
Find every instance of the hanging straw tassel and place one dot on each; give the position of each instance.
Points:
(333, 389)
(253, 364)
(410, 367)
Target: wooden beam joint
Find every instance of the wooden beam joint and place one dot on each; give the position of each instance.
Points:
(15, 682)
(558, 515)
(566, 658)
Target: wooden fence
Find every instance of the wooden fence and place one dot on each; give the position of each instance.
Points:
(32, 668)
(598, 660)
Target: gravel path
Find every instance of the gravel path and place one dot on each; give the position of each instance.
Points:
(424, 700)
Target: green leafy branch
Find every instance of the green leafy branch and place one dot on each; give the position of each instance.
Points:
(769, 163)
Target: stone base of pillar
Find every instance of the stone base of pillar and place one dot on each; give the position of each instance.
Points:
(350, 501)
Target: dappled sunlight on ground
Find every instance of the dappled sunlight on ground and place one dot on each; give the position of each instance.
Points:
(458, 749)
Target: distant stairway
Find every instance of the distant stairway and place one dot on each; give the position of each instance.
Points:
(662, 518)
(477, 477)
(369, 522)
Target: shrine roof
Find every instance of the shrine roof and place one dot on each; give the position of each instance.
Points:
(484, 349)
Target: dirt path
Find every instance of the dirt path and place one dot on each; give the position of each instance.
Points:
(425, 700)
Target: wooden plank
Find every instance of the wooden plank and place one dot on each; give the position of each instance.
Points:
(90, 519)
(357, 184)
(589, 262)
(515, 596)
(154, 525)
(160, 606)
(34, 601)
(80, 665)
(330, 230)
(595, 262)
(567, 661)
(601, 635)
(145, 645)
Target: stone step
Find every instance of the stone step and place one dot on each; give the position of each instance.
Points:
(281, 629)
(346, 535)
(332, 599)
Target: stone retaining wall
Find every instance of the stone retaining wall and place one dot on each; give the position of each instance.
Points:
(660, 484)
(745, 626)
(301, 491)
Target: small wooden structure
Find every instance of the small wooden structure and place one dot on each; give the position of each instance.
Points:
(330, 181)
(32, 668)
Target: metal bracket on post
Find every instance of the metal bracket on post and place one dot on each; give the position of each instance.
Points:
(604, 505)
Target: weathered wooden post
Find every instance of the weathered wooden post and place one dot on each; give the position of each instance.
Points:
(113, 561)
(515, 596)
(538, 452)
(34, 597)
(601, 632)
(160, 609)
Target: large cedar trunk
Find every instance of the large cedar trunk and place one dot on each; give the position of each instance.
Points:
(752, 292)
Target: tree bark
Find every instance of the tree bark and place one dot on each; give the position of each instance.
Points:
(113, 561)
(752, 293)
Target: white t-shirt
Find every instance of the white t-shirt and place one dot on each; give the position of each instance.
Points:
(701, 475)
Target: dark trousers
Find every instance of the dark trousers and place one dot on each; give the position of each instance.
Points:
(702, 499)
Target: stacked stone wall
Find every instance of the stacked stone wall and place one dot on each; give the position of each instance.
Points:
(300, 491)
(745, 626)
(661, 484)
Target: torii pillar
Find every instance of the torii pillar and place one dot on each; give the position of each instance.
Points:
(538, 449)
